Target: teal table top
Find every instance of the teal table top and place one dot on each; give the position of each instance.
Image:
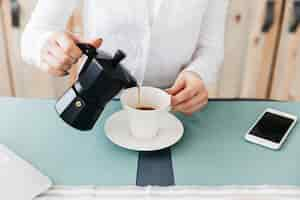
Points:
(212, 151)
(33, 130)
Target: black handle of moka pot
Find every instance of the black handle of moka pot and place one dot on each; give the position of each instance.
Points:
(88, 50)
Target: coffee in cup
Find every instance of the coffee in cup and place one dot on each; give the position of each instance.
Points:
(145, 108)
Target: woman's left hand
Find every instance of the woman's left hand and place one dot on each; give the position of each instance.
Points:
(189, 93)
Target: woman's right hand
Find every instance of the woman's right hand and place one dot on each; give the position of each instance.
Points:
(60, 52)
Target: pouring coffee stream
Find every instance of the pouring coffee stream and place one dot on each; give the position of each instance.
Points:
(102, 77)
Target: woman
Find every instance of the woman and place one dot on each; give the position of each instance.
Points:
(171, 44)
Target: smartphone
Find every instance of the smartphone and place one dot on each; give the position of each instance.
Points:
(271, 129)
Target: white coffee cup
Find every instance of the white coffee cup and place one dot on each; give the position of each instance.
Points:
(144, 124)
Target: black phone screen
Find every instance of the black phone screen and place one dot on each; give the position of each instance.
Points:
(272, 127)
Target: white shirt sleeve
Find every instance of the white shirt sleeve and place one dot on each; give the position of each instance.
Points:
(209, 53)
(48, 16)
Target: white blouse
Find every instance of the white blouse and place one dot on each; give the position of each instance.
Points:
(160, 39)
(154, 6)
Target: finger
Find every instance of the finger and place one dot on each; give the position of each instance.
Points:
(59, 54)
(184, 95)
(55, 63)
(69, 46)
(203, 101)
(190, 104)
(51, 60)
(51, 70)
(177, 87)
(95, 42)
(56, 72)
(196, 108)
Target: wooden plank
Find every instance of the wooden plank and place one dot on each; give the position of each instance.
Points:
(5, 81)
(248, 52)
(212, 91)
(286, 77)
(28, 80)
(237, 27)
(261, 51)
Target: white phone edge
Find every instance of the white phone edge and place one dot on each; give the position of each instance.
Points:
(268, 143)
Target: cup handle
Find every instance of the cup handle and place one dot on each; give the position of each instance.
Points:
(170, 108)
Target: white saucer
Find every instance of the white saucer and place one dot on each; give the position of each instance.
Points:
(117, 131)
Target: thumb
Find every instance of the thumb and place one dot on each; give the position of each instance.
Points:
(177, 87)
(95, 42)
(77, 39)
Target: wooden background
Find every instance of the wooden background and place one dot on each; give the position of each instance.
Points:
(257, 64)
